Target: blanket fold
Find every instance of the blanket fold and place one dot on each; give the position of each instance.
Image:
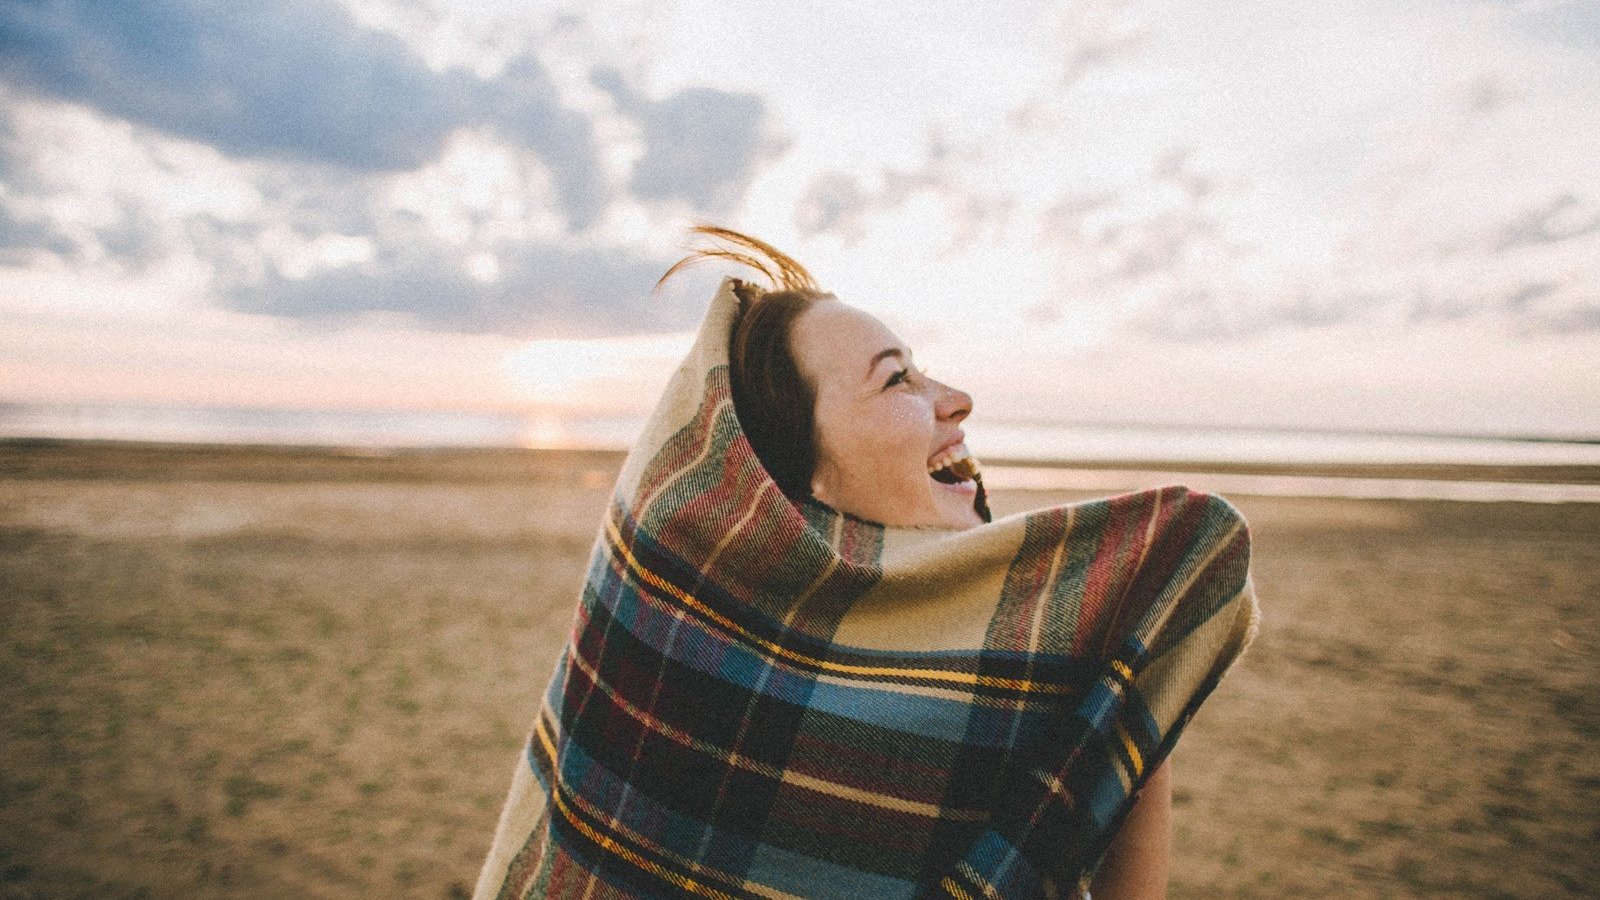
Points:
(766, 699)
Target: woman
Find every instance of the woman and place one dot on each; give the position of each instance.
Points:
(806, 663)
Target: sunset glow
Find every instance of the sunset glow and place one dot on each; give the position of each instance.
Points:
(1379, 216)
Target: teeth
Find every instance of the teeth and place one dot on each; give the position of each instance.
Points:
(955, 464)
(948, 457)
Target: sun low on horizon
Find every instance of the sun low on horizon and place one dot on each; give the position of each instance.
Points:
(1375, 216)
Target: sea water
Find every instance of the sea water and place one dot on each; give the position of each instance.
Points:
(1033, 450)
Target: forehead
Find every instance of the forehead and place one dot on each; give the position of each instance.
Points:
(833, 342)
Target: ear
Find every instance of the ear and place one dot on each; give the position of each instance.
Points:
(819, 486)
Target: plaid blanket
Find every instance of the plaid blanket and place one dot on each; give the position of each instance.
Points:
(763, 699)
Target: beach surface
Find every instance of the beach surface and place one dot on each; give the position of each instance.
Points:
(269, 672)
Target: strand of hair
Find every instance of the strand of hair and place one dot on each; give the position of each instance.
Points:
(789, 274)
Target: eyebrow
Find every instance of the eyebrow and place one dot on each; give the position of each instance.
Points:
(882, 355)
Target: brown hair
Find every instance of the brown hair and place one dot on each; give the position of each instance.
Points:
(775, 404)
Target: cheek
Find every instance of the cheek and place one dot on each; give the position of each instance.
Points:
(904, 427)
(909, 411)
(894, 433)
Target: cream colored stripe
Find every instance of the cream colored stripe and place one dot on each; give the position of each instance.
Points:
(1042, 600)
(819, 581)
(873, 798)
(1056, 786)
(683, 882)
(940, 693)
(989, 890)
(519, 818)
(756, 887)
(589, 889)
(835, 538)
(1144, 553)
(1150, 530)
(958, 695)
(705, 450)
(1179, 670)
(661, 584)
(687, 739)
(755, 504)
(1195, 573)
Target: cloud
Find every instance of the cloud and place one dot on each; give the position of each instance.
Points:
(702, 145)
(462, 245)
(833, 202)
(1151, 245)
(302, 262)
(1174, 167)
(1549, 223)
(1094, 35)
(289, 80)
(20, 239)
(1089, 36)
(1160, 249)
(299, 167)
(1556, 306)
(1491, 92)
(1156, 245)
(1519, 301)
(527, 289)
(1063, 219)
(838, 203)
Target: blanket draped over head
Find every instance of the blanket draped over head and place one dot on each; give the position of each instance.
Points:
(763, 698)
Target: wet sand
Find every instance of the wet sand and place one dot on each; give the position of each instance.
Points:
(279, 673)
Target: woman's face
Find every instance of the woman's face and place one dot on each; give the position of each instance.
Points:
(880, 422)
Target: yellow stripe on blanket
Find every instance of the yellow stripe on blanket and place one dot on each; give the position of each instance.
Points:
(964, 678)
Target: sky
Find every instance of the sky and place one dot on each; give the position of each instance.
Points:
(1370, 216)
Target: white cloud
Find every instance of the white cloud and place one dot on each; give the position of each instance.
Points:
(1122, 194)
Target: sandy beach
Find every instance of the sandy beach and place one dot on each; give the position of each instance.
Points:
(256, 672)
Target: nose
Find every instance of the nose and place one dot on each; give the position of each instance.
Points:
(953, 404)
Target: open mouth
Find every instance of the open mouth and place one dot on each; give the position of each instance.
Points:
(953, 466)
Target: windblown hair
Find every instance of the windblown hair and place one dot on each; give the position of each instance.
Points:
(775, 403)
(779, 267)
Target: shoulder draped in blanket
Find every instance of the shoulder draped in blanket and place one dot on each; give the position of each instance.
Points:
(768, 699)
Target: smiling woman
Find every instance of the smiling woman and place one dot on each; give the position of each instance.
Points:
(835, 407)
(806, 663)
(884, 426)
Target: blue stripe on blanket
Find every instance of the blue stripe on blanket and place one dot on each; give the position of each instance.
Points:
(873, 703)
(689, 847)
(1003, 867)
(676, 841)
(809, 877)
(931, 717)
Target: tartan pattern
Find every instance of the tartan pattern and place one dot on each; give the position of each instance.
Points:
(704, 734)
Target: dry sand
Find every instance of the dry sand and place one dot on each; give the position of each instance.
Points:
(270, 673)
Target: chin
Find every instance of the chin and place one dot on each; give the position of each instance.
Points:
(955, 504)
(943, 506)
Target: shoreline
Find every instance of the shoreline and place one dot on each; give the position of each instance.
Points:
(1247, 484)
(88, 459)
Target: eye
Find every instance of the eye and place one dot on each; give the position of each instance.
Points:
(896, 378)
